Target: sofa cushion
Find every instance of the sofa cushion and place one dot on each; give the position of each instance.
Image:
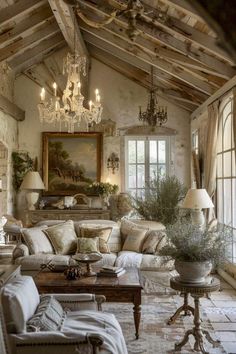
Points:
(36, 240)
(63, 237)
(49, 315)
(102, 233)
(153, 241)
(134, 240)
(88, 245)
(126, 226)
(20, 299)
(34, 261)
(114, 241)
(128, 259)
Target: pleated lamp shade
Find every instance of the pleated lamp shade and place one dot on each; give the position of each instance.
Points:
(32, 180)
(197, 199)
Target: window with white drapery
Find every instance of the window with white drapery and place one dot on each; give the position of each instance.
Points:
(145, 157)
(226, 171)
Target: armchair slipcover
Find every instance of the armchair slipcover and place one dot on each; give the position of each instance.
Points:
(84, 330)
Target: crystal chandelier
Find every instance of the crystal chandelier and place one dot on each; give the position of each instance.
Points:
(154, 115)
(69, 110)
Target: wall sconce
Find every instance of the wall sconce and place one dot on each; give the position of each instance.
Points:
(113, 162)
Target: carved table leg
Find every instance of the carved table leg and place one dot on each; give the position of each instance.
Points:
(137, 314)
(185, 307)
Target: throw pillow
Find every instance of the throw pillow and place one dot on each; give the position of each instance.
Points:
(88, 245)
(102, 233)
(63, 237)
(37, 240)
(152, 241)
(134, 240)
(49, 315)
(126, 226)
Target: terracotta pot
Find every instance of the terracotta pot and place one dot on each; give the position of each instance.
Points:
(193, 272)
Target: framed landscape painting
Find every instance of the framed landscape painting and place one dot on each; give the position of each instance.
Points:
(71, 162)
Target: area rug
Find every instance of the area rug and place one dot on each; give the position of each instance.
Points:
(156, 336)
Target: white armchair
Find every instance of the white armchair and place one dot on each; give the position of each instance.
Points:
(82, 329)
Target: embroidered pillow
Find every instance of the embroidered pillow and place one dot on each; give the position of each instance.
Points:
(134, 240)
(152, 241)
(127, 226)
(63, 237)
(102, 233)
(88, 245)
(49, 315)
(36, 240)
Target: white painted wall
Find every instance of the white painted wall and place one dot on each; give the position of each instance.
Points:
(8, 138)
(121, 99)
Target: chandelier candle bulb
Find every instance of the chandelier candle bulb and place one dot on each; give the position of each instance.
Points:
(55, 88)
(79, 86)
(42, 94)
(98, 98)
(90, 105)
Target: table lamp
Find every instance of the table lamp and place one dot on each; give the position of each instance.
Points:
(196, 200)
(32, 181)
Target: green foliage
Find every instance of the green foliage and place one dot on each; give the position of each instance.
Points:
(161, 204)
(187, 242)
(22, 163)
(102, 188)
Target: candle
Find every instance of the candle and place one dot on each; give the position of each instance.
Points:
(96, 92)
(55, 88)
(98, 98)
(90, 105)
(79, 86)
(42, 94)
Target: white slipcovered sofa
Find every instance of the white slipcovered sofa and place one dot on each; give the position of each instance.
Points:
(23, 256)
(48, 324)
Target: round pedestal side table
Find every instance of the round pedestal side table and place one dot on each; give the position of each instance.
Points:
(196, 291)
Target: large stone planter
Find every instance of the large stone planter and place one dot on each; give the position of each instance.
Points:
(193, 272)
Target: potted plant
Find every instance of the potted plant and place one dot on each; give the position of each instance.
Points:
(161, 202)
(103, 189)
(195, 250)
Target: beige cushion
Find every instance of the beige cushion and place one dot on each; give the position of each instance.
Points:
(88, 245)
(134, 240)
(63, 237)
(36, 240)
(152, 241)
(127, 226)
(102, 233)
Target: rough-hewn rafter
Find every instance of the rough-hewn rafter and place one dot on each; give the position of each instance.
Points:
(12, 109)
(163, 78)
(27, 25)
(10, 13)
(167, 39)
(114, 40)
(22, 44)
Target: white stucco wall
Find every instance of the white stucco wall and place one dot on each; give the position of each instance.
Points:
(9, 138)
(121, 99)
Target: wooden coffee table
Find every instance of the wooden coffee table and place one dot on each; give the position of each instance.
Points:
(126, 288)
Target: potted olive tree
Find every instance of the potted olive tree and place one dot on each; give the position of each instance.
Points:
(194, 250)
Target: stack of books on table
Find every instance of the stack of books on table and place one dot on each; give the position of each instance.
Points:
(109, 271)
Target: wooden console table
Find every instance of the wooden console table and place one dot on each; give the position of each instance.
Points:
(34, 216)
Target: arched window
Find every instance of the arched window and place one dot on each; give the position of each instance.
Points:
(226, 171)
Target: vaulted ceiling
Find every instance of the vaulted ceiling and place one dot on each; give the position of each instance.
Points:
(189, 65)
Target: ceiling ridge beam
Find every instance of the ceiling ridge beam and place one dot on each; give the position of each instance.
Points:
(22, 44)
(31, 22)
(12, 12)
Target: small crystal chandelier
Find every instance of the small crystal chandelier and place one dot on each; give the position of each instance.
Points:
(69, 110)
(154, 115)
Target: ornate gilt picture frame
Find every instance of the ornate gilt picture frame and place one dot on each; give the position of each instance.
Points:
(71, 162)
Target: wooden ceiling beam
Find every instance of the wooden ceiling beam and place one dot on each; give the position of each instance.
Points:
(170, 41)
(35, 55)
(64, 15)
(20, 8)
(43, 14)
(138, 76)
(22, 44)
(114, 40)
(186, 7)
(12, 109)
(163, 78)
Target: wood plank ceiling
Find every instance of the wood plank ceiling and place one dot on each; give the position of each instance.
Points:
(188, 64)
